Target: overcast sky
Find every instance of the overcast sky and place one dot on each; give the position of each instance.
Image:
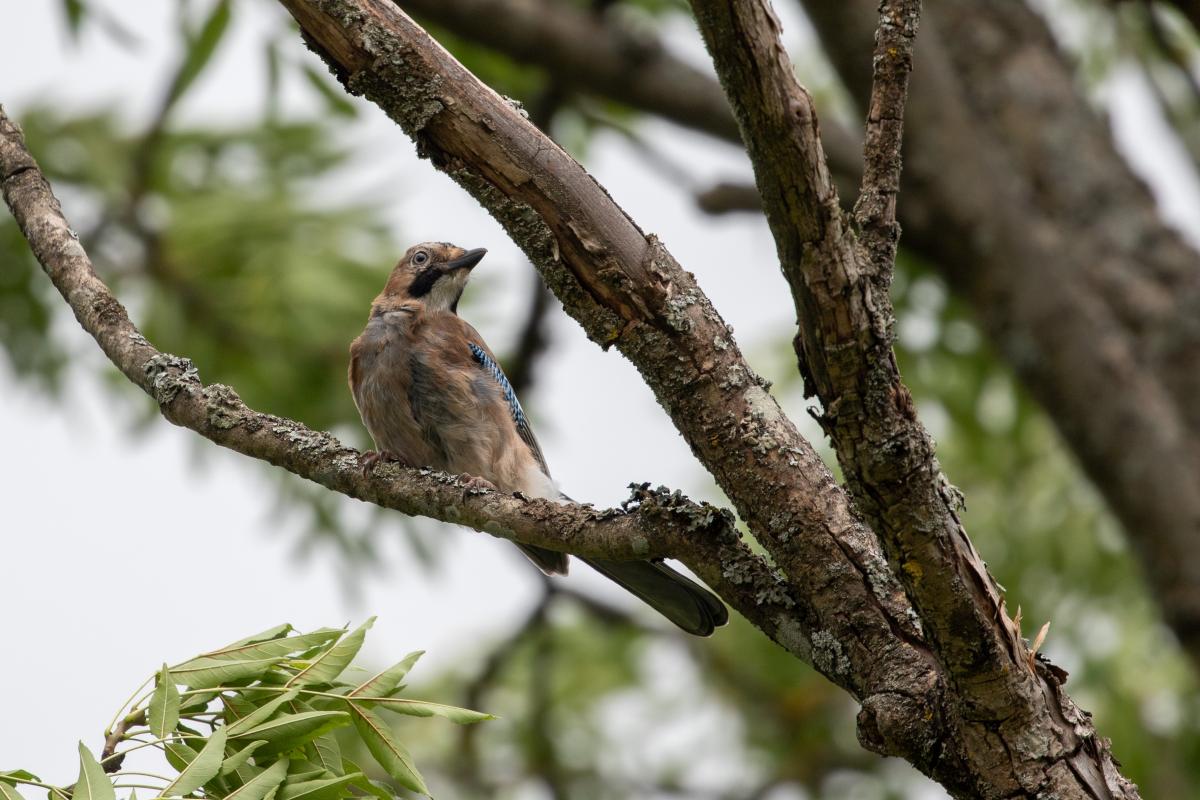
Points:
(94, 513)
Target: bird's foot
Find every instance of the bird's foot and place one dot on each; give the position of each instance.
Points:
(473, 484)
(371, 458)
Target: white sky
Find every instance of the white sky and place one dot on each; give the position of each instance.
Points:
(80, 607)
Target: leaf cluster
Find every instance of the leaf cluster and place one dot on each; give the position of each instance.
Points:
(271, 704)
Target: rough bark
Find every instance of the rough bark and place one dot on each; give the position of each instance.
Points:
(841, 606)
(626, 290)
(596, 54)
(653, 523)
(1060, 250)
(840, 284)
(975, 214)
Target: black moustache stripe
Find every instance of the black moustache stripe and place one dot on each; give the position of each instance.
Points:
(424, 282)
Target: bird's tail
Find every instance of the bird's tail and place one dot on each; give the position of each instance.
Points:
(550, 562)
(677, 597)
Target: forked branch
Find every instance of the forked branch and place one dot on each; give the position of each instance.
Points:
(840, 281)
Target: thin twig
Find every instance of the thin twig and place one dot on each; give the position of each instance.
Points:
(875, 210)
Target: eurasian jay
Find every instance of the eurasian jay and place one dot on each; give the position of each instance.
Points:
(431, 393)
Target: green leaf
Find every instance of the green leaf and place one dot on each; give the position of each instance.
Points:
(368, 785)
(9, 792)
(20, 774)
(203, 673)
(330, 664)
(204, 767)
(263, 784)
(179, 755)
(274, 632)
(320, 789)
(389, 753)
(325, 751)
(237, 759)
(262, 713)
(236, 707)
(257, 648)
(293, 730)
(92, 784)
(419, 708)
(389, 680)
(164, 705)
(196, 702)
(244, 774)
(200, 51)
(334, 99)
(304, 775)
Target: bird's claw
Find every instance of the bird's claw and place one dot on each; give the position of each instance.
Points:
(473, 484)
(371, 458)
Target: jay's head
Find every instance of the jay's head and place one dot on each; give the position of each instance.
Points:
(433, 273)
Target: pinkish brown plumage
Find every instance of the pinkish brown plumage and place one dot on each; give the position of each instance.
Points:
(431, 393)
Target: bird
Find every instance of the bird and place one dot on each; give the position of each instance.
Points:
(432, 394)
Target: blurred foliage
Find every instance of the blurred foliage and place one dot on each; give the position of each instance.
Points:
(223, 251)
(1139, 36)
(226, 246)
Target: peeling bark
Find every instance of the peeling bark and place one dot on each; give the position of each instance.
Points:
(1016, 741)
(1123, 289)
(1059, 248)
(627, 291)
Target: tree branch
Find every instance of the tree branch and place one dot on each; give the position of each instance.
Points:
(875, 209)
(1046, 232)
(595, 53)
(585, 51)
(625, 289)
(654, 523)
(995, 225)
(840, 286)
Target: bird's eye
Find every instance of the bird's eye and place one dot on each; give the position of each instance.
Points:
(420, 258)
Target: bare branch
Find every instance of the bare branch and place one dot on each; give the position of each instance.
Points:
(875, 210)
(995, 226)
(595, 53)
(844, 347)
(1058, 246)
(586, 51)
(654, 524)
(625, 289)
(727, 197)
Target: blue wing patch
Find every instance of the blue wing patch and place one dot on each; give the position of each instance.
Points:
(493, 368)
(514, 406)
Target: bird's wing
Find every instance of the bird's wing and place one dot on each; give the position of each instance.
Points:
(354, 373)
(487, 362)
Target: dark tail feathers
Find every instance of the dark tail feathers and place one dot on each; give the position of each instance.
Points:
(550, 562)
(677, 597)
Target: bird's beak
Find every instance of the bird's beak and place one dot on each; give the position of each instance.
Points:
(467, 261)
